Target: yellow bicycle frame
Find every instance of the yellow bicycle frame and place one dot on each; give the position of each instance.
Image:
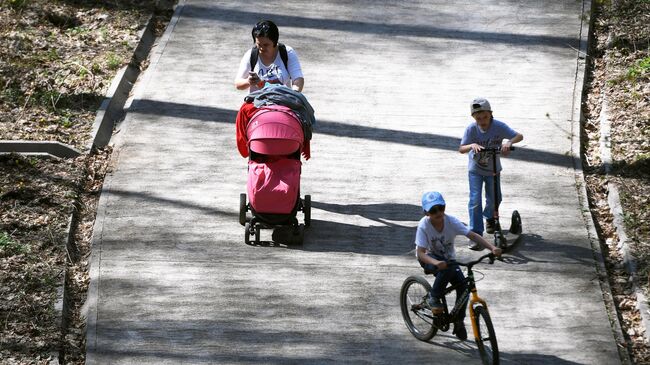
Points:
(473, 300)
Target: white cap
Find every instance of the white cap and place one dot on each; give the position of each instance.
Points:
(480, 104)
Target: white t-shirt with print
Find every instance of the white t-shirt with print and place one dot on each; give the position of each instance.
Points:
(437, 243)
(274, 71)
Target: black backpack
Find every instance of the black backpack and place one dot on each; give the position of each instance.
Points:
(283, 54)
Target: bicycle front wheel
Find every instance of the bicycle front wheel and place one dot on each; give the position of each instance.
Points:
(416, 313)
(487, 339)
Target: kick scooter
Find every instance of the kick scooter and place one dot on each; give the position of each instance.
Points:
(502, 239)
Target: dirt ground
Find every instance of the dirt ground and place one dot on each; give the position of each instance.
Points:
(619, 76)
(57, 59)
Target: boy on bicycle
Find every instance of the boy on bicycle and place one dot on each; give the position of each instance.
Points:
(486, 132)
(434, 241)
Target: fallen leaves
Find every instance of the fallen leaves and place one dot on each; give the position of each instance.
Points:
(619, 74)
(57, 60)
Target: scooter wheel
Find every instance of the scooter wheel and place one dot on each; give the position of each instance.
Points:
(502, 242)
(515, 223)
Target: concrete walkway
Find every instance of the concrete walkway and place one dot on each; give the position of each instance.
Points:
(172, 281)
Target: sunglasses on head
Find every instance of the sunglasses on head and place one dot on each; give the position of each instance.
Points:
(262, 27)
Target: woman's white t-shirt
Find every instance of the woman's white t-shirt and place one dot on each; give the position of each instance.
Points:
(275, 72)
(440, 244)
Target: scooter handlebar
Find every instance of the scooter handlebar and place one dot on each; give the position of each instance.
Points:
(495, 149)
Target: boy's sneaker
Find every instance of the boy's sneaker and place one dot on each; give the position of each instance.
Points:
(460, 331)
(490, 225)
(436, 305)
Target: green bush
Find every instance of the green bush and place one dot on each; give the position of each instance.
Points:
(9, 247)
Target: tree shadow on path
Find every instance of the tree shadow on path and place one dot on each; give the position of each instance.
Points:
(338, 129)
(221, 14)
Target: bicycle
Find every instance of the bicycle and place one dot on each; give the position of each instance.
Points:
(424, 325)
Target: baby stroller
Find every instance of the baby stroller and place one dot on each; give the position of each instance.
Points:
(275, 142)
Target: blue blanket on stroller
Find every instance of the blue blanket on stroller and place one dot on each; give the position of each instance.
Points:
(278, 94)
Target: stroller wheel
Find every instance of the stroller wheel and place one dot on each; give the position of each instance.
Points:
(257, 234)
(300, 240)
(247, 233)
(242, 209)
(306, 209)
(298, 234)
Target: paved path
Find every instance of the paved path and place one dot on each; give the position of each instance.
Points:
(172, 280)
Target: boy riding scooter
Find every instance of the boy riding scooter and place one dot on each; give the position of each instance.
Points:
(485, 132)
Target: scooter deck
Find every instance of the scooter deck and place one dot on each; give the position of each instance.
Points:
(511, 237)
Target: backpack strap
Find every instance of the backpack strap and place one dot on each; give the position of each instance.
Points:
(283, 55)
(254, 55)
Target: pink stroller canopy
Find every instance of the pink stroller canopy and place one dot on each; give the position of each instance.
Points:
(275, 130)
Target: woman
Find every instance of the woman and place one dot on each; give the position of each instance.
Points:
(269, 61)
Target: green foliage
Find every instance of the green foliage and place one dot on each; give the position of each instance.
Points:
(65, 121)
(64, 117)
(630, 220)
(639, 69)
(12, 95)
(642, 162)
(47, 98)
(104, 33)
(77, 31)
(17, 4)
(113, 62)
(9, 247)
(53, 54)
(96, 68)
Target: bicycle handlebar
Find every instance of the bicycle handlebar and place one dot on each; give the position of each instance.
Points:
(472, 263)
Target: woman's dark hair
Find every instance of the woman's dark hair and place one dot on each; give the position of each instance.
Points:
(268, 29)
(436, 209)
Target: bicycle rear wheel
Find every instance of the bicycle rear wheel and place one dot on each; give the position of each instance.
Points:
(487, 339)
(416, 313)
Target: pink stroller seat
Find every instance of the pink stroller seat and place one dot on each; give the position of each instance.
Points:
(273, 187)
